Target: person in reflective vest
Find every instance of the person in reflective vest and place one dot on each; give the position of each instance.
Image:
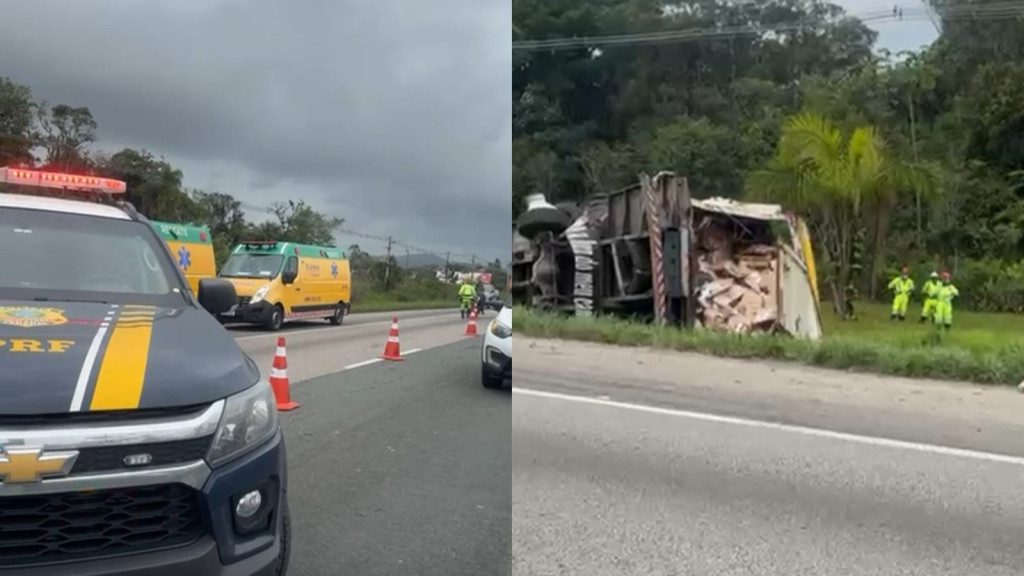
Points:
(467, 293)
(902, 286)
(945, 296)
(930, 291)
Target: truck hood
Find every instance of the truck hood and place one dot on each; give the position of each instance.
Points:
(247, 286)
(69, 356)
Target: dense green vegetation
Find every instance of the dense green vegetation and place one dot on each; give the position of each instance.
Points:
(61, 138)
(912, 158)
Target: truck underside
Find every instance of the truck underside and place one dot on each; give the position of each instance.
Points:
(654, 252)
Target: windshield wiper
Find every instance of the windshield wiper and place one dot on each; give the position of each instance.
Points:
(45, 299)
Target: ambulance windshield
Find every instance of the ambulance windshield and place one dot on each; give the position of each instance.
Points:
(249, 265)
(55, 256)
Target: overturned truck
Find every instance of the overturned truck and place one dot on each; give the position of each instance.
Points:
(653, 251)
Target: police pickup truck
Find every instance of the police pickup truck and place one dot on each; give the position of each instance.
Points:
(136, 438)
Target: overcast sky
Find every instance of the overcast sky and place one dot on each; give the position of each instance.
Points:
(393, 114)
(911, 33)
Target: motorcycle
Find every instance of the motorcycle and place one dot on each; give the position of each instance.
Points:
(467, 304)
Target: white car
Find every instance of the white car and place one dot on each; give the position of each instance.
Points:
(496, 355)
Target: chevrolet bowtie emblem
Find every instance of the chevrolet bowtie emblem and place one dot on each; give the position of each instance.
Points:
(24, 464)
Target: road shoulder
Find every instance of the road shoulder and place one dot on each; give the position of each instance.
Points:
(949, 414)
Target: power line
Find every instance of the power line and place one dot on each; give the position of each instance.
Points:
(994, 11)
(407, 246)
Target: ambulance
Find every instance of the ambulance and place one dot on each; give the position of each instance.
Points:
(192, 250)
(136, 437)
(280, 282)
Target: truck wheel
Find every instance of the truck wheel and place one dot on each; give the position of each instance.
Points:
(276, 319)
(286, 542)
(339, 315)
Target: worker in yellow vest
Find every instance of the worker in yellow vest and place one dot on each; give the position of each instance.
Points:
(902, 287)
(944, 309)
(930, 291)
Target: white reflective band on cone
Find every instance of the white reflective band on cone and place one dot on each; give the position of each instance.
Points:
(278, 373)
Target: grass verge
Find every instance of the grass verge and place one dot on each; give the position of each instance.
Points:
(908, 349)
(376, 305)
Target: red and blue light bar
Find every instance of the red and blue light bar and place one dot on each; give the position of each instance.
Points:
(60, 181)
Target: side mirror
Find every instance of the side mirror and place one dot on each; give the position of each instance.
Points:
(216, 295)
(289, 276)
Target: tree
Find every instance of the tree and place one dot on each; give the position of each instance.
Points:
(842, 186)
(65, 131)
(154, 186)
(296, 221)
(17, 122)
(223, 214)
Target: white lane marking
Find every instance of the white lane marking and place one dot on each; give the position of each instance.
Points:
(289, 333)
(90, 361)
(807, 431)
(363, 363)
(413, 351)
(304, 331)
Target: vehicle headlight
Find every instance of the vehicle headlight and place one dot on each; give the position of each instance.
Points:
(500, 330)
(250, 417)
(260, 294)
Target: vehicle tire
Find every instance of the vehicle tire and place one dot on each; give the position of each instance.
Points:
(286, 542)
(339, 315)
(490, 381)
(276, 319)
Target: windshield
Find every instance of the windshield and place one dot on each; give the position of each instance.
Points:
(252, 266)
(53, 256)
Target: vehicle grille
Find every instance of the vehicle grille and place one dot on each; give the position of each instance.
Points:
(54, 528)
(111, 458)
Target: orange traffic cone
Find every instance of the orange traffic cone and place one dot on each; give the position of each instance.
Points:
(279, 379)
(392, 347)
(471, 324)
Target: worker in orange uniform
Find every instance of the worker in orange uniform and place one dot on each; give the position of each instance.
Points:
(902, 287)
(944, 310)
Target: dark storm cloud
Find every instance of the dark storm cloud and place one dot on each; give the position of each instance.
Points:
(394, 111)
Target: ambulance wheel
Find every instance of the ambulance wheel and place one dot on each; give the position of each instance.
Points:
(338, 317)
(283, 559)
(276, 318)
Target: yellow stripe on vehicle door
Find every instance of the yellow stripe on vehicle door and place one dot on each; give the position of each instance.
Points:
(123, 369)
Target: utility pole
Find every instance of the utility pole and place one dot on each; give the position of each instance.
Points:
(407, 258)
(447, 270)
(387, 268)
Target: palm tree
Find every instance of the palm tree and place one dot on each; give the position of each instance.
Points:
(842, 187)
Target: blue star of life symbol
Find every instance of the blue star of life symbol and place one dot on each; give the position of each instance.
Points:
(334, 269)
(184, 258)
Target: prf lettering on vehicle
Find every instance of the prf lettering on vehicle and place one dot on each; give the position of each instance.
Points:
(33, 345)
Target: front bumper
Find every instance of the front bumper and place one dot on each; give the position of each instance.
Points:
(258, 313)
(497, 362)
(221, 551)
(199, 559)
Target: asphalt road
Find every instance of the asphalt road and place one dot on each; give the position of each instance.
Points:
(633, 462)
(395, 468)
(317, 348)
